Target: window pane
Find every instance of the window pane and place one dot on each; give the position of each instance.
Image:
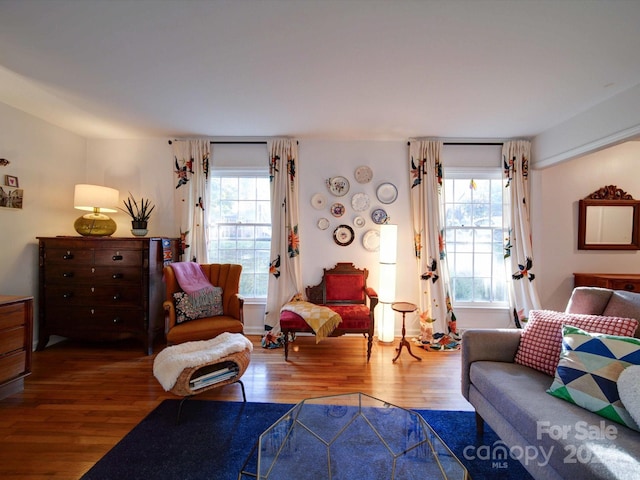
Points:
(239, 225)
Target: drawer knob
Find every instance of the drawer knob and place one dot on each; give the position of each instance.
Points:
(116, 296)
(67, 274)
(116, 320)
(68, 256)
(115, 258)
(630, 287)
(116, 276)
(67, 295)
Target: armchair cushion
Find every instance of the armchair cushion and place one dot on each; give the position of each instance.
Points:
(205, 304)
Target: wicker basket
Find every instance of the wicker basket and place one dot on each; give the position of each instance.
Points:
(182, 387)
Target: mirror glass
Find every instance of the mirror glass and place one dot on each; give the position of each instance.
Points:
(609, 225)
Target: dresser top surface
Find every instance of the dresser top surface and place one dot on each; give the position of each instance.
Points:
(6, 299)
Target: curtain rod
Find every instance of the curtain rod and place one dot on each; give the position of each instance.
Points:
(233, 142)
(473, 144)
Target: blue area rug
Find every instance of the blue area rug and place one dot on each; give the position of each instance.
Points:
(213, 440)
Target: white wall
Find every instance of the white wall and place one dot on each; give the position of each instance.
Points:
(556, 192)
(48, 162)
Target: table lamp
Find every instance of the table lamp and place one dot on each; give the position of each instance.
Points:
(95, 199)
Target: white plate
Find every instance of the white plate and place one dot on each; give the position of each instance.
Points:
(337, 209)
(371, 240)
(359, 221)
(343, 235)
(323, 224)
(360, 202)
(379, 216)
(387, 193)
(318, 201)
(363, 174)
(338, 186)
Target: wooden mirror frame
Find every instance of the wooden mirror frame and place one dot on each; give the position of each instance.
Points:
(612, 196)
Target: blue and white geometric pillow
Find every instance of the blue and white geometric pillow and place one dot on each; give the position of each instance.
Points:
(588, 372)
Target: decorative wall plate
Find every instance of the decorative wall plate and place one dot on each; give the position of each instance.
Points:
(323, 224)
(387, 193)
(360, 202)
(359, 221)
(379, 216)
(318, 201)
(371, 240)
(363, 174)
(338, 186)
(337, 209)
(343, 235)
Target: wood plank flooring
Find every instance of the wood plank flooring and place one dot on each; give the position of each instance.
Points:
(81, 399)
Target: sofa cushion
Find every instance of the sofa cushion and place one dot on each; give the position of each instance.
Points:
(624, 304)
(590, 301)
(541, 340)
(588, 371)
(207, 303)
(353, 317)
(629, 390)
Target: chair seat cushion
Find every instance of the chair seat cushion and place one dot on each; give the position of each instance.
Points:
(203, 329)
(354, 317)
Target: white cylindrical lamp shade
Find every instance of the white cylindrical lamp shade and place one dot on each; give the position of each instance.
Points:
(387, 291)
(89, 197)
(388, 243)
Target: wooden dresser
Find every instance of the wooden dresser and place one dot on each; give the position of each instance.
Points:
(614, 281)
(103, 288)
(16, 342)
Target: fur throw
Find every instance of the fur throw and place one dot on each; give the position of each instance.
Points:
(170, 362)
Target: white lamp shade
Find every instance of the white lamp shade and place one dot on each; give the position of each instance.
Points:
(388, 243)
(89, 197)
(387, 291)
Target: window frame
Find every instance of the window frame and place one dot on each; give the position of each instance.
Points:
(479, 173)
(240, 172)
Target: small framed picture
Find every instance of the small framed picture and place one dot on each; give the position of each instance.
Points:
(11, 181)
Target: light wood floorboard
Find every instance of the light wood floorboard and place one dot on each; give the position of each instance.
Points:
(81, 399)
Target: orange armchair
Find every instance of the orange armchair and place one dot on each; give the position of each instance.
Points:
(224, 275)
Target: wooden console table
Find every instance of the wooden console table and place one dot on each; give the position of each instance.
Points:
(615, 281)
(16, 338)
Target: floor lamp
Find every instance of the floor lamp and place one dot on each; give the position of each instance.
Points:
(387, 290)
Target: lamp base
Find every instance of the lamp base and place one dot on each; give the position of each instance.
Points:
(95, 225)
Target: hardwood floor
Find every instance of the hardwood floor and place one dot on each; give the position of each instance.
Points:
(81, 399)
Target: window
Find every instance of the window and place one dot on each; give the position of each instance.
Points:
(239, 222)
(475, 237)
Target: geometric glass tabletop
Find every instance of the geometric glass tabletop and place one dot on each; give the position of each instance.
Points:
(354, 436)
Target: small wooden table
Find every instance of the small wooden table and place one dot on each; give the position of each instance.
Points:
(404, 307)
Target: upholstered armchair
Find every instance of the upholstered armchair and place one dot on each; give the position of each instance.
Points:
(343, 289)
(226, 276)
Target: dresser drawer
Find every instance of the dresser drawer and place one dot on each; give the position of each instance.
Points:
(12, 315)
(629, 285)
(100, 295)
(12, 340)
(68, 256)
(115, 256)
(117, 275)
(12, 366)
(83, 318)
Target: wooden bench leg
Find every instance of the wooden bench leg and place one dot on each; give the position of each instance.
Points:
(369, 344)
(286, 344)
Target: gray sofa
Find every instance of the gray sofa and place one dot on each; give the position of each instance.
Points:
(552, 438)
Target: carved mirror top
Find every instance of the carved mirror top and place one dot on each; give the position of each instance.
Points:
(609, 192)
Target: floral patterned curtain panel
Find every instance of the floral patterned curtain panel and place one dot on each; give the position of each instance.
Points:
(523, 296)
(191, 195)
(437, 320)
(285, 279)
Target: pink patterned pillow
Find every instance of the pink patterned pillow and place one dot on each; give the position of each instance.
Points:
(541, 341)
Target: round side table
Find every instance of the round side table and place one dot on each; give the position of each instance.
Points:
(404, 308)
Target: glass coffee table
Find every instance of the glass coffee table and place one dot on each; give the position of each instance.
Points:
(353, 436)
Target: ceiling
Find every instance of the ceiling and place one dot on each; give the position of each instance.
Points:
(351, 69)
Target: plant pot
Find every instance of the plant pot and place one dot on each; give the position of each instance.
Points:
(139, 229)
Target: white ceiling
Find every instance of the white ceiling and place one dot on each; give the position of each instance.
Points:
(351, 69)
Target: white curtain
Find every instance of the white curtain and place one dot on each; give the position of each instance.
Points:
(285, 278)
(191, 195)
(427, 211)
(523, 296)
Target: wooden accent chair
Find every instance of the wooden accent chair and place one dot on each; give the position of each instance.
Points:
(223, 275)
(343, 289)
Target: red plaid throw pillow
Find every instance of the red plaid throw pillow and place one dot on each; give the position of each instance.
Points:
(541, 341)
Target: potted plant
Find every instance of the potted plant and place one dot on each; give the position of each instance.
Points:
(139, 213)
